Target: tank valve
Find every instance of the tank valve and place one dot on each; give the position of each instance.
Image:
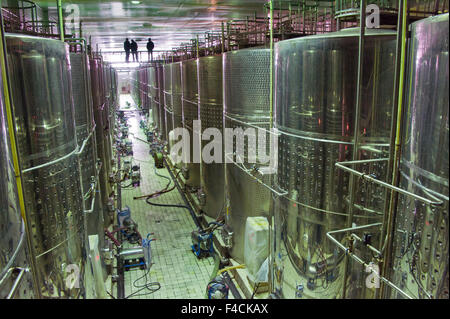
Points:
(185, 172)
(367, 239)
(351, 242)
(227, 236)
(201, 197)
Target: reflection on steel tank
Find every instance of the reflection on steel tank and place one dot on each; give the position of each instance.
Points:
(420, 257)
(160, 99)
(84, 121)
(210, 92)
(15, 263)
(189, 88)
(168, 101)
(154, 98)
(246, 100)
(46, 137)
(315, 100)
(99, 109)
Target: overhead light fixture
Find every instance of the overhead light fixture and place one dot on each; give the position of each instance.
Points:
(135, 2)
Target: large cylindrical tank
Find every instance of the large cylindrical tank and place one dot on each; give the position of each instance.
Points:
(246, 100)
(14, 251)
(189, 100)
(134, 78)
(168, 101)
(315, 101)
(114, 104)
(84, 121)
(143, 88)
(389, 9)
(99, 118)
(107, 116)
(177, 108)
(159, 72)
(176, 95)
(421, 236)
(150, 107)
(113, 88)
(154, 97)
(210, 92)
(107, 81)
(45, 126)
(110, 97)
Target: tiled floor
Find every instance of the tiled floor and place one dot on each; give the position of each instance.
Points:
(179, 272)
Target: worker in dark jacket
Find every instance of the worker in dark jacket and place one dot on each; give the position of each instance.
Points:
(127, 48)
(134, 51)
(150, 47)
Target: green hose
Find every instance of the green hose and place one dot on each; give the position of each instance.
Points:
(215, 270)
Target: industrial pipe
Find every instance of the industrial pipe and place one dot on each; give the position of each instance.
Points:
(396, 160)
(60, 19)
(81, 41)
(8, 268)
(359, 260)
(17, 282)
(352, 182)
(271, 64)
(384, 184)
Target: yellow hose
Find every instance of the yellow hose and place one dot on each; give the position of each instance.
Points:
(8, 107)
(397, 148)
(230, 268)
(60, 20)
(271, 65)
(402, 76)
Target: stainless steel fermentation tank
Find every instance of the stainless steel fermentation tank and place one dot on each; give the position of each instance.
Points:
(149, 111)
(116, 95)
(159, 100)
(154, 98)
(114, 88)
(210, 93)
(108, 113)
(85, 127)
(113, 103)
(246, 100)
(346, 9)
(168, 101)
(189, 102)
(421, 236)
(315, 100)
(47, 143)
(176, 95)
(101, 123)
(107, 81)
(134, 78)
(142, 78)
(177, 104)
(14, 252)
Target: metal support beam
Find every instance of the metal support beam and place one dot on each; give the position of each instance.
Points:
(390, 218)
(359, 89)
(60, 20)
(271, 64)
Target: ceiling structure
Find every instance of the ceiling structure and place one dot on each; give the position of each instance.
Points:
(168, 22)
